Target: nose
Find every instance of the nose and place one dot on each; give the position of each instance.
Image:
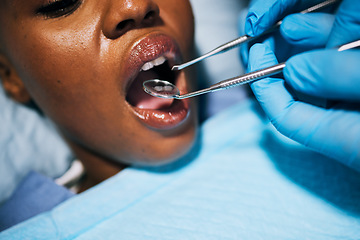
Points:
(125, 15)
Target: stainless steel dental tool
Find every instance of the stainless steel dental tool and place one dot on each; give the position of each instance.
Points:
(165, 89)
(244, 39)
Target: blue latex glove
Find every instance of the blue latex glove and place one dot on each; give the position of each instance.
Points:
(326, 73)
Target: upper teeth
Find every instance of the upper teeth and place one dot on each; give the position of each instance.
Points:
(149, 65)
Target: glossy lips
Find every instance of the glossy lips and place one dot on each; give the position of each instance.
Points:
(152, 57)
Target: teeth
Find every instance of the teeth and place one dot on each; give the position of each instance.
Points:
(159, 61)
(149, 65)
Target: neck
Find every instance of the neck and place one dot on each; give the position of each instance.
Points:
(97, 168)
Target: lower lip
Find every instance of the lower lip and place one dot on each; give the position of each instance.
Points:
(165, 119)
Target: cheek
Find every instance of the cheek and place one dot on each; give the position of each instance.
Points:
(54, 65)
(50, 54)
(67, 78)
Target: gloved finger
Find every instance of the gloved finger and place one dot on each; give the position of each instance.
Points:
(326, 73)
(281, 48)
(257, 9)
(271, 93)
(332, 132)
(311, 30)
(270, 40)
(347, 24)
(264, 14)
(244, 48)
(273, 41)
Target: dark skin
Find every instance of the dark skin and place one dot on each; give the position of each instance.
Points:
(72, 59)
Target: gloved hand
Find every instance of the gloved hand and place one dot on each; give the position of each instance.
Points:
(326, 73)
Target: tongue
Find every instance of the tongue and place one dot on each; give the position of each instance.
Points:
(138, 98)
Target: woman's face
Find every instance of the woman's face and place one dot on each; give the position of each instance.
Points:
(83, 62)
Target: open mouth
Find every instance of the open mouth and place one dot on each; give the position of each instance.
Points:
(157, 69)
(153, 56)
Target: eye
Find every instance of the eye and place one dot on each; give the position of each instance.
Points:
(58, 8)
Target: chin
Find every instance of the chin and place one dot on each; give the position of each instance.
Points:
(162, 154)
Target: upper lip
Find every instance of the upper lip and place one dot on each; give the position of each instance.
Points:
(148, 49)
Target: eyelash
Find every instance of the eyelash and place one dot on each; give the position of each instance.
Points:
(59, 8)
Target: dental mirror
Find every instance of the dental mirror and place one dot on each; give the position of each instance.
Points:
(165, 89)
(161, 89)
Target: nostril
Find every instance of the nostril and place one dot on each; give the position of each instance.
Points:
(149, 15)
(125, 25)
(149, 18)
(119, 24)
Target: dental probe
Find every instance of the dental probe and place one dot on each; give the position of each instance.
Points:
(246, 38)
(165, 89)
